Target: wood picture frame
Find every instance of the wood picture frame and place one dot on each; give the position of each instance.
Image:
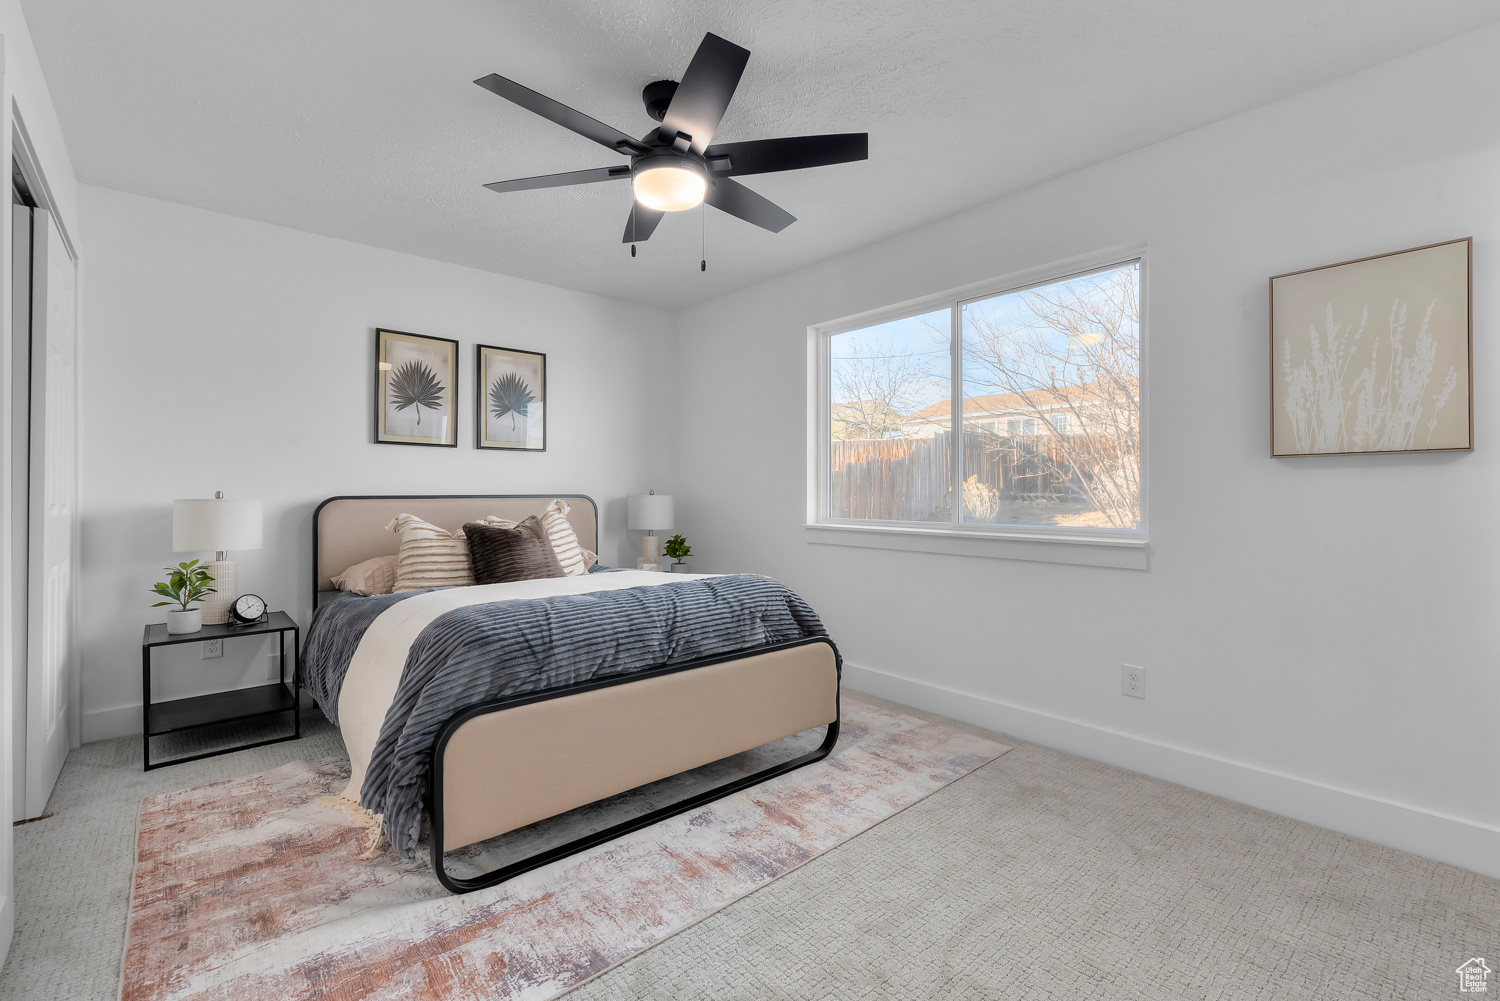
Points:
(1375, 355)
(416, 379)
(510, 399)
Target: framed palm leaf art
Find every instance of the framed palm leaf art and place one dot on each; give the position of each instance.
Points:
(416, 389)
(511, 408)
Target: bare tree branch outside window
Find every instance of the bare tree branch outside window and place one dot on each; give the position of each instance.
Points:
(874, 386)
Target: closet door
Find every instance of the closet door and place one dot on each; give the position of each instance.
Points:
(51, 655)
(18, 383)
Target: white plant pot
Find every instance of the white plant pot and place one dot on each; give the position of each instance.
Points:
(189, 621)
(679, 568)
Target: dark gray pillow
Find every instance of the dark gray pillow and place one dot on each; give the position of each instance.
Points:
(501, 555)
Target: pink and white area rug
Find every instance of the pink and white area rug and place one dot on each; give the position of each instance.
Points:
(250, 888)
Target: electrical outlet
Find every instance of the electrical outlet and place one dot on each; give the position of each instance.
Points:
(211, 648)
(273, 665)
(1133, 681)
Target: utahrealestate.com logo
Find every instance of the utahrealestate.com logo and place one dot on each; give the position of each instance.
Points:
(1474, 976)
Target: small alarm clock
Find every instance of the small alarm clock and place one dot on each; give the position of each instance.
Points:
(247, 610)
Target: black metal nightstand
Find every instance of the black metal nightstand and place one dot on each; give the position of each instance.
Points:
(221, 707)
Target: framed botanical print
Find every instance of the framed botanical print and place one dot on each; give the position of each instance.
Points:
(511, 409)
(416, 389)
(1375, 355)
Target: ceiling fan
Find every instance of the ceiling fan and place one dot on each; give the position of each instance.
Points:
(676, 167)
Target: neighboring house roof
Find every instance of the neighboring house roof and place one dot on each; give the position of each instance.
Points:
(864, 418)
(1006, 403)
(997, 403)
(865, 410)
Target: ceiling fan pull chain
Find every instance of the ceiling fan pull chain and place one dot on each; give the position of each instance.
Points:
(702, 240)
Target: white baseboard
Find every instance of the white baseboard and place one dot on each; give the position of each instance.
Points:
(119, 721)
(1446, 839)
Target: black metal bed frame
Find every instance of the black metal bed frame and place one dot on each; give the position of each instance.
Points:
(458, 884)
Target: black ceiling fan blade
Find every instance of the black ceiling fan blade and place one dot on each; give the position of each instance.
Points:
(705, 90)
(641, 224)
(728, 195)
(762, 156)
(554, 111)
(560, 180)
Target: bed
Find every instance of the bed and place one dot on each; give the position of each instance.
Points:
(500, 746)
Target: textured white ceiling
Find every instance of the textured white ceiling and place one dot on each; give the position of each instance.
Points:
(358, 119)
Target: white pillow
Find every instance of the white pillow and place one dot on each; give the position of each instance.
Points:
(431, 556)
(554, 518)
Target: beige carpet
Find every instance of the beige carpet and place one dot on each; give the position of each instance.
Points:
(1040, 875)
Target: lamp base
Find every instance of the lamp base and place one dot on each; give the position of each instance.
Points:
(226, 575)
(649, 559)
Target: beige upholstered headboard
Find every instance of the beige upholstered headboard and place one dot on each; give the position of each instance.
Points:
(349, 530)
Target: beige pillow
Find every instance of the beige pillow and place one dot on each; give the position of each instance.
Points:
(377, 576)
(564, 540)
(431, 556)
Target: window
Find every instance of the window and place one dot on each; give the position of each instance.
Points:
(890, 393)
(1046, 437)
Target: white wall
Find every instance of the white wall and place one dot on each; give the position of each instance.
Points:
(223, 354)
(1319, 632)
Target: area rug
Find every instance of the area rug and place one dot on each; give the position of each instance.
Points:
(250, 888)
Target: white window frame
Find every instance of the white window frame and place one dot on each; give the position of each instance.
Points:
(1126, 548)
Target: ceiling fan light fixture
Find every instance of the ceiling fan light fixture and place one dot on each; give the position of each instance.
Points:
(669, 183)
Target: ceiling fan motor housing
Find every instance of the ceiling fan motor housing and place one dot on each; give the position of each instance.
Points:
(668, 158)
(657, 96)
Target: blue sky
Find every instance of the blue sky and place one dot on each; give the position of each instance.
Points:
(929, 347)
(911, 337)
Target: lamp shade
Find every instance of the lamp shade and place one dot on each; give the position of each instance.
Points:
(202, 524)
(649, 512)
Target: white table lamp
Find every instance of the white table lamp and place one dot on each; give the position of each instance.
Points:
(217, 525)
(650, 513)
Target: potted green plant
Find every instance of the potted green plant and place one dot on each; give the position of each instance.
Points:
(678, 549)
(185, 584)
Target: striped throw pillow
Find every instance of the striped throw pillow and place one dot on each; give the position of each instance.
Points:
(431, 556)
(564, 541)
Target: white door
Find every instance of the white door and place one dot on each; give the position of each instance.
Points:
(51, 654)
(14, 379)
(18, 383)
